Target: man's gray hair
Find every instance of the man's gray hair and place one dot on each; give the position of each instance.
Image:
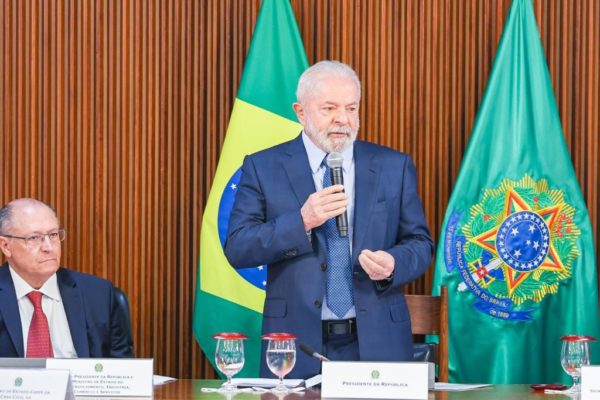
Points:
(7, 210)
(310, 79)
(5, 214)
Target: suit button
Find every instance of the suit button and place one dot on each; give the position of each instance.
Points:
(323, 267)
(318, 303)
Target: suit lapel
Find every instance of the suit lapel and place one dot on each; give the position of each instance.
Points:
(365, 189)
(10, 310)
(297, 168)
(299, 174)
(73, 303)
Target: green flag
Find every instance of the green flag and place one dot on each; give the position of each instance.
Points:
(516, 248)
(262, 116)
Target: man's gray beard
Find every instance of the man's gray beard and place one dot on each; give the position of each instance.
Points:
(321, 138)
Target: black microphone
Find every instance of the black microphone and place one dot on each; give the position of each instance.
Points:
(334, 162)
(309, 350)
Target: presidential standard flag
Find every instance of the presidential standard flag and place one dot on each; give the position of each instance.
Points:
(262, 116)
(516, 248)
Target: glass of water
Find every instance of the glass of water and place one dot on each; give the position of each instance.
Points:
(281, 356)
(229, 356)
(574, 354)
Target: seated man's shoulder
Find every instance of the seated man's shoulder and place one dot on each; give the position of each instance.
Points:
(83, 280)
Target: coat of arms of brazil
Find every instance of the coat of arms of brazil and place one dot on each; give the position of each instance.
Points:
(513, 248)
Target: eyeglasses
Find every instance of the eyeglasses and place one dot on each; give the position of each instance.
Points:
(35, 241)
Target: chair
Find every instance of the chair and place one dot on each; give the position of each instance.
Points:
(429, 316)
(123, 303)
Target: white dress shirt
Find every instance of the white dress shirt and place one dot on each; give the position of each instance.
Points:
(60, 335)
(315, 158)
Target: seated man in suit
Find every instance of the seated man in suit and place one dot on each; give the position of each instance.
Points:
(340, 293)
(49, 311)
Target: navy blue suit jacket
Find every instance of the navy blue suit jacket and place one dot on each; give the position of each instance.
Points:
(266, 228)
(95, 320)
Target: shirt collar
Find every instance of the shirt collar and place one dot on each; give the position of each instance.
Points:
(316, 155)
(22, 288)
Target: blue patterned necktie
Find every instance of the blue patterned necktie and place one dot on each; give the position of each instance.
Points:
(339, 274)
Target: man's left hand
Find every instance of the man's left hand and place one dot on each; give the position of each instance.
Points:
(378, 264)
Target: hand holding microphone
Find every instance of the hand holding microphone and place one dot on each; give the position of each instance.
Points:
(329, 202)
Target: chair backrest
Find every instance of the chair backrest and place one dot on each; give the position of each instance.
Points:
(123, 304)
(429, 316)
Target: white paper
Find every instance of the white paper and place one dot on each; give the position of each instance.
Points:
(265, 383)
(161, 380)
(457, 387)
(314, 381)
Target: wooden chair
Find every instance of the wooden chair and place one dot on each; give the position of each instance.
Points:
(429, 316)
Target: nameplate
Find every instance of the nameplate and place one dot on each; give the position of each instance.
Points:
(375, 380)
(107, 376)
(38, 384)
(590, 382)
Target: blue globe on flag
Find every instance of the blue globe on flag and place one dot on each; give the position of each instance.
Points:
(256, 275)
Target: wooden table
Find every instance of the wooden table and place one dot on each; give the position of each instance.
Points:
(192, 389)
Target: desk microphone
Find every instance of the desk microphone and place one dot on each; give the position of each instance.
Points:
(309, 350)
(334, 162)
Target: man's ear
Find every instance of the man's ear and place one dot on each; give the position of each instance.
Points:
(299, 110)
(4, 246)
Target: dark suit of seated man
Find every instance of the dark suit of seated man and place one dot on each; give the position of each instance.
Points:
(49, 311)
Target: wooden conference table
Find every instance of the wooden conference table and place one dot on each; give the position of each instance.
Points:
(192, 389)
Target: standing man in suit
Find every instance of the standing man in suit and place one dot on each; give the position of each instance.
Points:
(342, 296)
(45, 310)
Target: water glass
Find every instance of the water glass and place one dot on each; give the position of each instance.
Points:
(575, 353)
(281, 356)
(229, 356)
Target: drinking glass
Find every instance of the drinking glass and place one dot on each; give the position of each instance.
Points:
(575, 353)
(281, 356)
(229, 356)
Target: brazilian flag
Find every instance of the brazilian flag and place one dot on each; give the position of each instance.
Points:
(228, 300)
(516, 249)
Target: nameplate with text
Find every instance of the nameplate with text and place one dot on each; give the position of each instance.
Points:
(375, 380)
(34, 384)
(590, 382)
(108, 376)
